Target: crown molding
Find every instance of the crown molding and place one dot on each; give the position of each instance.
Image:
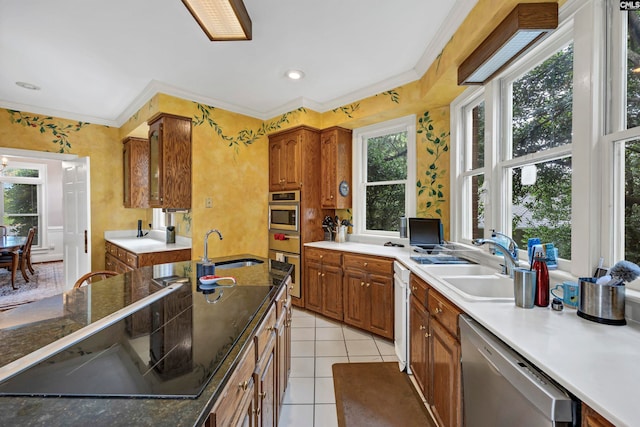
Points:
(58, 114)
(450, 25)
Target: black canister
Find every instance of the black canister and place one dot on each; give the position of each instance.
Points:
(171, 234)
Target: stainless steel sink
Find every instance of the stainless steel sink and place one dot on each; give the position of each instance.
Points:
(238, 263)
(488, 288)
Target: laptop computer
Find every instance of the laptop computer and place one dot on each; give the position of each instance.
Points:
(425, 233)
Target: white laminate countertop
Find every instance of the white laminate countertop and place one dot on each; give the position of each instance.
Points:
(597, 363)
(152, 242)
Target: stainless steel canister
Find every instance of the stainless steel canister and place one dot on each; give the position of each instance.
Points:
(601, 303)
(524, 287)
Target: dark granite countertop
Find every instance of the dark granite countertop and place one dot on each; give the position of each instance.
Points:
(49, 320)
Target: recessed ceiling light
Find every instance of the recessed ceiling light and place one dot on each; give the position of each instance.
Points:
(28, 86)
(294, 74)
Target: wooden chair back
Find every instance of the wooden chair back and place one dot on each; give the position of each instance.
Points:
(90, 276)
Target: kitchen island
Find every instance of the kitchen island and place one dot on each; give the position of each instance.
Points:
(173, 378)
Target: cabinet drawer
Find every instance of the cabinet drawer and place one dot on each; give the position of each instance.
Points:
(283, 300)
(111, 249)
(131, 259)
(265, 331)
(443, 311)
(369, 264)
(418, 289)
(323, 256)
(239, 387)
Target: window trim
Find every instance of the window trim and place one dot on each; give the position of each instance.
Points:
(406, 123)
(498, 134)
(41, 183)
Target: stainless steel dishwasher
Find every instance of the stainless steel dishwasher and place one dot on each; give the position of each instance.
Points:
(501, 388)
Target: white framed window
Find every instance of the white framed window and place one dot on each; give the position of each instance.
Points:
(22, 204)
(512, 150)
(384, 176)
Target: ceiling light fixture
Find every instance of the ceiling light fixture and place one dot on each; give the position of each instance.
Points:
(524, 27)
(29, 86)
(294, 74)
(221, 19)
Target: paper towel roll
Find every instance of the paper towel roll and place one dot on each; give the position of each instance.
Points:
(280, 256)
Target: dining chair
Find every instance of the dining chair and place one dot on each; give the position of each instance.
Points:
(26, 258)
(6, 261)
(88, 278)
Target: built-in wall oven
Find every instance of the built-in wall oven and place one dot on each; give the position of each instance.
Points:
(284, 233)
(284, 211)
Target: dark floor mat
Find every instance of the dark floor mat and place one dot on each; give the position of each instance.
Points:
(377, 395)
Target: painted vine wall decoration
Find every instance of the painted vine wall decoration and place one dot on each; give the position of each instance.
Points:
(431, 185)
(246, 136)
(393, 94)
(43, 124)
(348, 110)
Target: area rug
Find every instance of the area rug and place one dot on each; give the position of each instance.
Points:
(377, 395)
(47, 280)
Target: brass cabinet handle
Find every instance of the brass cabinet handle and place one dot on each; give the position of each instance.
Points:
(368, 284)
(361, 283)
(422, 327)
(262, 395)
(319, 273)
(271, 328)
(244, 385)
(322, 274)
(427, 335)
(414, 288)
(438, 310)
(321, 256)
(366, 263)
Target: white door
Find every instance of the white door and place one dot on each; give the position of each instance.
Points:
(77, 219)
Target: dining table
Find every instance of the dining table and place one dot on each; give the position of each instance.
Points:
(12, 245)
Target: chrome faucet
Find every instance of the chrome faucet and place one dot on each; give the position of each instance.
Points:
(510, 260)
(205, 258)
(513, 246)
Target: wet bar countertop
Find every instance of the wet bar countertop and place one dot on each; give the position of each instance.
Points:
(47, 321)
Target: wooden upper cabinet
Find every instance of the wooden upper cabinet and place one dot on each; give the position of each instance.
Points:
(170, 162)
(288, 159)
(135, 160)
(336, 168)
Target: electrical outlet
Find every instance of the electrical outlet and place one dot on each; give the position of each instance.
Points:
(208, 202)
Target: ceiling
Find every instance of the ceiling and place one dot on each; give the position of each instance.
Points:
(99, 61)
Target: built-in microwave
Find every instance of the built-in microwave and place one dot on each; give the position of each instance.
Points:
(284, 210)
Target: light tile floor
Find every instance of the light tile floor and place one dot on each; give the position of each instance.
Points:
(316, 344)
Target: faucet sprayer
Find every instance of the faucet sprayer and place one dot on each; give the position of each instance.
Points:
(510, 261)
(205, 258)
(513, 246)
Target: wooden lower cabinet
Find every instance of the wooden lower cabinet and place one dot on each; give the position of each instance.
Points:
(435, 352)
(121, 260)
(266, 391)
(419, 344)
(368, 293)
(238, 394)
(254, 393)
(590, 418)
(356, 289)
(323, 282)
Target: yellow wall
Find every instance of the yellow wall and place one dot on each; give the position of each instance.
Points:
(42, 133)
(230, 156)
